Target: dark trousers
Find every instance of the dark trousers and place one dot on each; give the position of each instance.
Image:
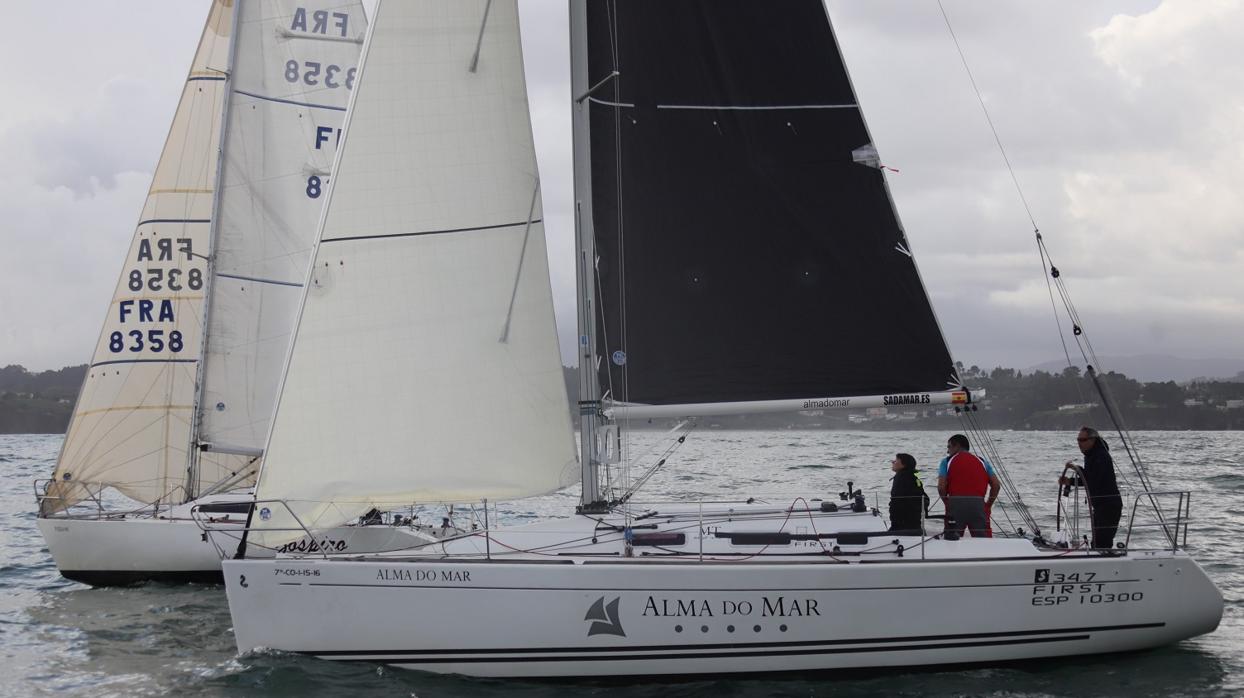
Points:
(967, 512)
(1106, 514)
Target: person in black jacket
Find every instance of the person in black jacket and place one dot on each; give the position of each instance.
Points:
(1103, 490)
(906, 496)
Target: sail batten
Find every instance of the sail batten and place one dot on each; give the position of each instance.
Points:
(745, 252)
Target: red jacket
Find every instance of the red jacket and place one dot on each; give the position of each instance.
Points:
(966, 476)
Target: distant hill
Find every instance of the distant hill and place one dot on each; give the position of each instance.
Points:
(37, 403)
(1159, 367)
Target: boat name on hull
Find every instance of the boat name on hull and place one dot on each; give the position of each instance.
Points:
(767, 607)
(397, 574)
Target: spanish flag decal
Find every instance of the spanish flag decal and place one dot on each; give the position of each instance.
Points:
(959, 397)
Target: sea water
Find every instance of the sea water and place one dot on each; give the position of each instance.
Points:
(58, 636)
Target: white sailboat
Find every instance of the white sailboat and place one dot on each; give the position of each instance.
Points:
(176, 404)
(727, 192)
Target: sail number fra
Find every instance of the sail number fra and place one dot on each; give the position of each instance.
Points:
(151, 340)
(315, 73)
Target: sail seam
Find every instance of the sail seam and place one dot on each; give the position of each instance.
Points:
(259, 280)
(181, 190)
(135, 408)
(433, 232)
(289, 101)
(756, 107)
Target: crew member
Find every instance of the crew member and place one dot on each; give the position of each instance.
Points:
(1105, 504)
(962, 482)
(908, 500)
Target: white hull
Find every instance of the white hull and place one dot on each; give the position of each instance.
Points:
(123, 550)
(530, 615)
(104, 552)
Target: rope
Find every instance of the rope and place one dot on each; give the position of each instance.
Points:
(988, 119)
(1011, 491)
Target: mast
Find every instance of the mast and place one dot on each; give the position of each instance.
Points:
(192, 451)
(585, 263)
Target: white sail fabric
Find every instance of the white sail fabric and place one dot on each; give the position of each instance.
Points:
(294, 69)
(131, 426)
(425, 365)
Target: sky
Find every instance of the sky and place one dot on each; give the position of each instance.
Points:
(1124, 120)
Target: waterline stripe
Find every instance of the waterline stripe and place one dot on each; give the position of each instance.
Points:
(1017, 635)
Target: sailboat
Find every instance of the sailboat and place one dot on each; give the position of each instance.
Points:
(729, 207)
(176, 403)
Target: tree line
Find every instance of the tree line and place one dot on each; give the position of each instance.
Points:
(41, 403)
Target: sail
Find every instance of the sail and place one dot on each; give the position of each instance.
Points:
(747, 246)
(130, 428)
(294, 69)
(425, 364)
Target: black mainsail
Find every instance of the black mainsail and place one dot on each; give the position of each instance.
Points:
(747, 246)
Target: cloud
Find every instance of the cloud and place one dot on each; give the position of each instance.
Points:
(1124, 120)
(1125, 130)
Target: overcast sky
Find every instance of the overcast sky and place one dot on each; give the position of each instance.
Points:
(1124, 119)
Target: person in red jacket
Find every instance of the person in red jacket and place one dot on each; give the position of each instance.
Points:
(963, 479)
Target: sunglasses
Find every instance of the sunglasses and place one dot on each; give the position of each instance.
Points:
(1082, 439)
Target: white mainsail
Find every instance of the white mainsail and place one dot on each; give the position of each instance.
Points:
(131, 426)
(425, 364)
(294, 70)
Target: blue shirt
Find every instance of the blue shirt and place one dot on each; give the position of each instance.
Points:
(943, 468)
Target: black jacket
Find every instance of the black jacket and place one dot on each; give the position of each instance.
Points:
(907, 497)
(1099, 473)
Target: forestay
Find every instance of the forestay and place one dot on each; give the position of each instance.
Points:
(131, 426)
(748, 249)
(425, 364)
(295, 67)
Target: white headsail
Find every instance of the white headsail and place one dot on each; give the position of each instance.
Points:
(131, 426)
(294, 70)
(225, 235)
(425, 364)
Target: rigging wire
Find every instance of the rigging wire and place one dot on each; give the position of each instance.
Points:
(624, 471)
(1019, 190)
(689, 426)
(1080, 337)
(986, 443)
(1049, 287)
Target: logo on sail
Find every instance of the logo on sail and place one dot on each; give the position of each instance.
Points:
(604, 617)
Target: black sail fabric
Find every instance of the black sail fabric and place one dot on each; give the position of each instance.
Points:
(748, 248)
